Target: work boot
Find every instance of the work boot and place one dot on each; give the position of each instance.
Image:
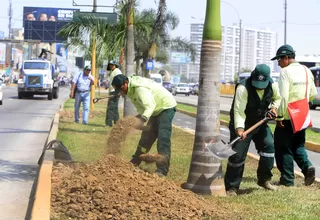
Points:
(309, 175)
(232, 192)
(135, 162)
(267, 185)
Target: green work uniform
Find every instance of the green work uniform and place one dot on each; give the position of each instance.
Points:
(157, 105)
(289, 146)
(112, 113)
(249, 106)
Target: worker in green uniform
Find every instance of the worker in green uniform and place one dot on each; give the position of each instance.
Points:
(254, 97)
(112, 113)
(289, 146)
(156, 106)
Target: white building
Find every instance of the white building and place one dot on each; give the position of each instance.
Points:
(257, 46)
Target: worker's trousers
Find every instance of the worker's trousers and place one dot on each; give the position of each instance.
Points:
(289, 147)
(160, 127)
(262, 137)
(112, 113)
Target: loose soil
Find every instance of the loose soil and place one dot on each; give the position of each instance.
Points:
(114, 189)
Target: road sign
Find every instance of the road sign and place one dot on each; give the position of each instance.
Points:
(150, 65)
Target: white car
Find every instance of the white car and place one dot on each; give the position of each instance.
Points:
(181, 88)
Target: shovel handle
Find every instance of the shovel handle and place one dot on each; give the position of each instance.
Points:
(256, 125)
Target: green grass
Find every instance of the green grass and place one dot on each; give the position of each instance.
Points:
(87, 144)
(311, 135)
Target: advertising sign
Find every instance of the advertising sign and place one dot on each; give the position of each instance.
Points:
(44, 23)
(179, 57)
(62, 53)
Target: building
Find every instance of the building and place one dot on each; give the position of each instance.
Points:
(257, 46)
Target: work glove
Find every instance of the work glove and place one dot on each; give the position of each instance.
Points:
(140, 122)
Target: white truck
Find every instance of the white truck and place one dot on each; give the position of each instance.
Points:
(38, 78)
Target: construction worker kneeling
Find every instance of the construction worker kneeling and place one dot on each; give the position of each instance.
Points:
(254, 97)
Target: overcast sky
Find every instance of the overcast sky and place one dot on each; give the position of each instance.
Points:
(303, 29)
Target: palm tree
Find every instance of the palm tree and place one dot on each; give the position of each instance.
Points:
(205, 174)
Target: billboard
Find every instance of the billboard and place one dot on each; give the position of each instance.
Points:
(62, 53)
(179, 57)
(43, 24)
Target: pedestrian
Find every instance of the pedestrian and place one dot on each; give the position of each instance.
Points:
(80, 90)
(290, 146)
(156, 106)
(254, 97)
(112, 113)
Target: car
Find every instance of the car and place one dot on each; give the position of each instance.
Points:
(168, 86)
(181, 88)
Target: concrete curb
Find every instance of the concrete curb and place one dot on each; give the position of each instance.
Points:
(42, 202)
(249, 154)
(308, 145)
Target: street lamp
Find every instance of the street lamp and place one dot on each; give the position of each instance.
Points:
(240, 34)
(285, 21)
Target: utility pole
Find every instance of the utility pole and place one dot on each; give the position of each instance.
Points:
(240, 46)
(285, 21)
(9, 48)
(93, 60)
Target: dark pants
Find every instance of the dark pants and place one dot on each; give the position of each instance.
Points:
(262, 137)
(112, 113)
(161, 129)
(289, 147)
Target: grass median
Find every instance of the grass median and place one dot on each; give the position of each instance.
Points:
(87, 143)
(311, 135)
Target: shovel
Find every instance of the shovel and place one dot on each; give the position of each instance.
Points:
(95, 100)
(223, 151)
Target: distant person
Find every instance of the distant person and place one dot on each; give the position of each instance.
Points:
(156, 106)
(52, 18)
(80, 90)
(290, 146)
(30, 17)
(43, 17)
(112, 113)
(252, 100)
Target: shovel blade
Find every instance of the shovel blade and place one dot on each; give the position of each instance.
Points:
(220, 150)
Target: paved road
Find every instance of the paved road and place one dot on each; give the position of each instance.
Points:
(24, 127)
(225, 104)
(189, 123)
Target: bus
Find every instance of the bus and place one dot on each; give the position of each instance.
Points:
(316, 74)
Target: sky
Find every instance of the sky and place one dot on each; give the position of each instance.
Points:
(303, 22)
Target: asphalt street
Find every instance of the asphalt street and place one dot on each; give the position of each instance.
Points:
(24, 128)
(225, 104)
(189, 123)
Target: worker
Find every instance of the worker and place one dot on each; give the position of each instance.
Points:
(112, 113)
(80, 91)
(254, 96)
(290, 146)
(156, 106)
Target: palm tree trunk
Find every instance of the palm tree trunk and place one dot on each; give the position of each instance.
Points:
(205, 174)
(128, 106)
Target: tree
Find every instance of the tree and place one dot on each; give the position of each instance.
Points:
(205, 174)
(128, 106)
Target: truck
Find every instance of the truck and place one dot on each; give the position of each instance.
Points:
(38, 78)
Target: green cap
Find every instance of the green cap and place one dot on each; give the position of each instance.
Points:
(284, 50)
(113, 62)
(87, 68)
(260, 76)
(117, 82)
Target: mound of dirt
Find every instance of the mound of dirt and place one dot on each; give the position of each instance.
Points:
(114, 189)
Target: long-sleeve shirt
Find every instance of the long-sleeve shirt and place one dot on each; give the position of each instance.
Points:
(241, 100)
(149, 98)
(292, 86)
(114, 72)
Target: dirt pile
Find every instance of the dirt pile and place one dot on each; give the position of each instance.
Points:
(119, 132)
(114, 189)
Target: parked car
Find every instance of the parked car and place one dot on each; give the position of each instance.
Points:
(168, 86)
(181, 88)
